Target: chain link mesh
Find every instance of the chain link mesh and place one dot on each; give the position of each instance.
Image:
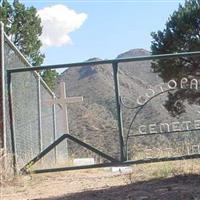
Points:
(36, 124)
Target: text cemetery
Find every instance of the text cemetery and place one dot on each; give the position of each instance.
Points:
(166, 127)
(169, 127)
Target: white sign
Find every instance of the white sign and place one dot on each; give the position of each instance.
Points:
(83, 161)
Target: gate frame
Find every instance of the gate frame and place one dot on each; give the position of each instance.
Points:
(119, 104)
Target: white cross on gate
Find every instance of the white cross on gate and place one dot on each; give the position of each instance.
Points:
(63, 100)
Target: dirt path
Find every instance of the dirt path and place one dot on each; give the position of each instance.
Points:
(102, 184)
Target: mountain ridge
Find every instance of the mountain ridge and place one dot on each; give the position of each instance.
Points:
(95, 120)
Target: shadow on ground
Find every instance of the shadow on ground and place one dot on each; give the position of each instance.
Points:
(184, 187)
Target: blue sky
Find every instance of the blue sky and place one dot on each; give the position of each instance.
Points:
(111, 27)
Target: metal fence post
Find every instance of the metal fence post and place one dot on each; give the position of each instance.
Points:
(40, 142)
(11, 122)
(119, 111)
(2, 97)
(54, 128)
(2, 103)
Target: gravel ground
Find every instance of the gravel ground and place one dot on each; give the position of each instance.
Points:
(103, 184)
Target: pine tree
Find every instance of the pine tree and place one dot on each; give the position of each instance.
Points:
(50, 77)
(181, 34)
(23, 26)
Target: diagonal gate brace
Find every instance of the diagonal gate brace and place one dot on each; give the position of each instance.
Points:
(24, 170)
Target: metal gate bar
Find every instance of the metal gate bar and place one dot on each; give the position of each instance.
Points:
(112, 61)
(126, 163)
(58, 141)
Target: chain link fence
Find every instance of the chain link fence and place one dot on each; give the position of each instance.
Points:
(36, 123)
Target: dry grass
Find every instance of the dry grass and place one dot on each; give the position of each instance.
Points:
(83, 180)
(64, 183)
(163, 170)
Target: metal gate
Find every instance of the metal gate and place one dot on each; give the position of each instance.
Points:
(144, 120)
(162, 128)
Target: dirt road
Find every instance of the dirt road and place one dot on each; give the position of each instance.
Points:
(103, 184)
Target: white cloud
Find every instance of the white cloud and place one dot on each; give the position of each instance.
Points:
(58, 21)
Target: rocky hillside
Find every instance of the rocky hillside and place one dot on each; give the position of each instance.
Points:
(94, 120)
